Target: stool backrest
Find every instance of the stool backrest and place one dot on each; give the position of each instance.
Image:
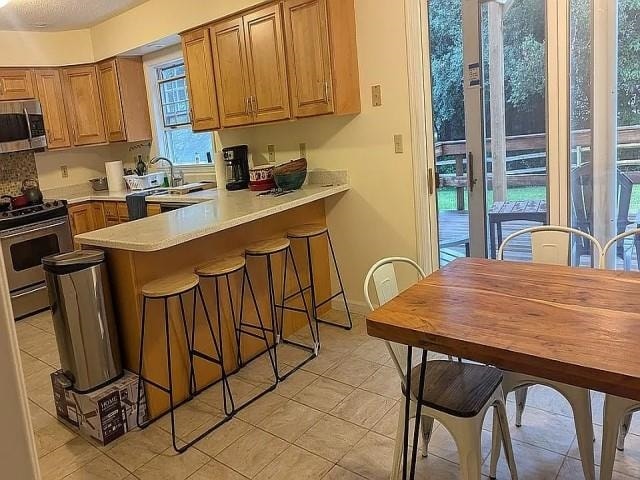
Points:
(385, 282)
(551, 244)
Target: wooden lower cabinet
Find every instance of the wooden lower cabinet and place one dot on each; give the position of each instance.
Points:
(153, 209)
(90, 216)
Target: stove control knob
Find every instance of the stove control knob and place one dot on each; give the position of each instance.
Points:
(55, 203)
(47, 205)
(5, 214)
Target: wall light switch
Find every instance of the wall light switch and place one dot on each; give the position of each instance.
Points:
(376, 95)
(272, 153)
(64, 171)
(398, 143)
(303, 150)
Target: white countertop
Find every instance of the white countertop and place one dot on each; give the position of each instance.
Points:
(222, 211)
(83, 193)
(75, 194)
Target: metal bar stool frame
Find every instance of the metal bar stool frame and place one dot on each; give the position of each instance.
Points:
(192, 382)
(238, 328)
(278, 323)
(314, 305)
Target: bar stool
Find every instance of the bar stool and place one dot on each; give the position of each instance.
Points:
(175, 286)
(307, 232)
(220, 271)
(267, 249)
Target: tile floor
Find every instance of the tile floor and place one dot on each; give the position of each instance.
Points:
(335, 419)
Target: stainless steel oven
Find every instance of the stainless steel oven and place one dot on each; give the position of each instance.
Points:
(23, 248)
(21, 126)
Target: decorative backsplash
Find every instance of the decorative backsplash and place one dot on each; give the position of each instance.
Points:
(14, 168)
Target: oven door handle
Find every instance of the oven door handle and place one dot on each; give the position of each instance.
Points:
(44, 227)
(26, 116)
(30, 290)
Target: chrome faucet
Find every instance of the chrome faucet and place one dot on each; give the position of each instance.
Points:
(171, 178)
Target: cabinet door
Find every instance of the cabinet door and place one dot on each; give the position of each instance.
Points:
(111, 101)
(81, 219)
(198, 61)
(267, 64)
(16, 84)
(97, 210)
(309, 57)
(232, 80)
(82, 98)
(49, 86)
(153, 209)
(110, 212)
(123, 212)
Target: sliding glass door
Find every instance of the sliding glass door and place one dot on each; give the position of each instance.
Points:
(488, 88)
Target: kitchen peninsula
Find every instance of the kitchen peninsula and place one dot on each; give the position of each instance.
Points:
(178, 241)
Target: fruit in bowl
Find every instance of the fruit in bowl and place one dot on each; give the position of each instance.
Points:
(291, 175)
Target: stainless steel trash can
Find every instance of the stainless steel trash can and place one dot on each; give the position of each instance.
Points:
(83, 318)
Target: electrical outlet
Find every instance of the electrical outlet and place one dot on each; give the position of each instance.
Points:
(303, 150)
(376, 95)
(64, 171)
(272, 153)
(398, 144)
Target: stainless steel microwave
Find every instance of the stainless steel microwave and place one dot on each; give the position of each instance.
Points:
(21, 126)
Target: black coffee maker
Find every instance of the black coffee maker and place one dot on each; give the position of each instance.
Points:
(236, 160)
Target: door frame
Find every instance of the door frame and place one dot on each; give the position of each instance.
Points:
(421, 115)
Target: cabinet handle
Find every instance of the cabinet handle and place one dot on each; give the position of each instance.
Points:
(472, 179)
(254, 105)
(1, 86)
(326, 92)
(248, 106)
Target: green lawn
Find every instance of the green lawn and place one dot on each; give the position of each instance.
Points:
(447, 196)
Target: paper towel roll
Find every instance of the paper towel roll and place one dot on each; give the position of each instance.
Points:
(115, 176)
(221, 171)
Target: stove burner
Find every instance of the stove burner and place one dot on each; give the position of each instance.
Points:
(31, 214)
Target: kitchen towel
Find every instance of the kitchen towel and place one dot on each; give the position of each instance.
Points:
(137, 205)
(115, 176)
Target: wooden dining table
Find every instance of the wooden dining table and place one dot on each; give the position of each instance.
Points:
(578, 326)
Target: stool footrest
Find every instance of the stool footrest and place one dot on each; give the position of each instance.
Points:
(290, 309)
(204, 356)
(296, 294)
(154, 384)
(251, 334)
(329, 299)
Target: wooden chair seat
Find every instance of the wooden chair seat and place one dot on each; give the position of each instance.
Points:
(221, 266)
(265, 247)
(170, 285)
(459, 389)
(304, 231)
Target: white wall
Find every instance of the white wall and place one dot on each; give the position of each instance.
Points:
(19, 49)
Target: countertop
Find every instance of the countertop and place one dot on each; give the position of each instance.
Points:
(84, 193)
(222, 211)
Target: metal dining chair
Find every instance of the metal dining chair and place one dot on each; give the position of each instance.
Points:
(477, 387)
(618, 411)
(551, 245)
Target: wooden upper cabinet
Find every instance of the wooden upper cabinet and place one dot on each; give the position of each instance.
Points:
(267, 65)
(309, 57)
(198, 61)
(322, 57)
(49, 87)
(232, 77)
(16, 84)
(124, 99)
(82, 98)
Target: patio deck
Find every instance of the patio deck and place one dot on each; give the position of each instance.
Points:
(454, 227)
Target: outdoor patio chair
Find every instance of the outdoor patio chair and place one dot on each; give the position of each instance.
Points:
(463, 414)
(582, 206)
(552, 245)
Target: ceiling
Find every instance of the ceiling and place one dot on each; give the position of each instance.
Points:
(57, 15)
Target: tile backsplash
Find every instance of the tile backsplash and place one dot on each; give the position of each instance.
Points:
(14, 168)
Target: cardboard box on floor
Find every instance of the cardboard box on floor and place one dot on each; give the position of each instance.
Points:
(104, 414)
